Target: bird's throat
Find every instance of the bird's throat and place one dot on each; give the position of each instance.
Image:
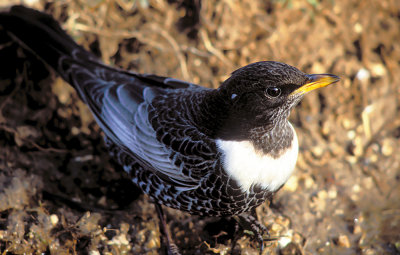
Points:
(273, 141)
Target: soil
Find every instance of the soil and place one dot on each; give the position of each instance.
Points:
(60, 192)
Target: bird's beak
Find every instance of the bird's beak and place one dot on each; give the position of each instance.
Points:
(316, 81)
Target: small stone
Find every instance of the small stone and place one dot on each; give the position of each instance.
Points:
(75, 131)
(124, 227)
(357, 230)
(351, 159)
(276, 228)
(356, 188)
(102, 201)
(308, 182)
(378, 69)
(358, 28)
(357, 225)
(322, 194)
(54, 219)
(339, 211)
(351, 134)
(317, 151)
(363, 74)
(332, 193)
(292, 184)
(368, 183)
(153, 243)
(119, 240)
(387, 147)
(197, 62)
(348, 124)
(285, 240)
(283, 221)
(358, 147)
(343, 241)
(373, 158)
(326, 129)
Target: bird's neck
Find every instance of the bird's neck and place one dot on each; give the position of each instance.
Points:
(273, 140)
(267, 137)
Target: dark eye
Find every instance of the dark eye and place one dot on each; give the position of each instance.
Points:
(273, 91)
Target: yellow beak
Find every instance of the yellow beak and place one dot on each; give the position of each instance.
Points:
(316, 81)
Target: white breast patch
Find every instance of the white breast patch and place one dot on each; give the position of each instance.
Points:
(248, 166)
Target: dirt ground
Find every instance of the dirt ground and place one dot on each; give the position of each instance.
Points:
(60, 192)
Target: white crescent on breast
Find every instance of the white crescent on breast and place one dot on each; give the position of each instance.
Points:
(248, 166)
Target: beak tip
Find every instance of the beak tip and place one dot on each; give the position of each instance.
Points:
(315, 77)
(316, 81)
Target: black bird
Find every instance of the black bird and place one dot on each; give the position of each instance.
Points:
(210, 152)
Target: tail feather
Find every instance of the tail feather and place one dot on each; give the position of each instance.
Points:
(42, 35)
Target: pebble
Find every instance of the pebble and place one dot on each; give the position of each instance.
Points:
(317, 151)
(54, 219)
(358, 147)
(351, 134)
(276, 227)
(387, 147)
(308, 182)
(285, 240)
(283, 221)
(343, 241)
(332, 193)
(102, 201)
(358, 28)
(292, 184)
(351, 159)
(377, 69)
(363, 74)
(124, 227)
(368, 183)
(356, 188)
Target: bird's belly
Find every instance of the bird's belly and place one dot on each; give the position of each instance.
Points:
(220, 200)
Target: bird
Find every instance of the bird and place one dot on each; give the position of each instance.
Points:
(209, 152)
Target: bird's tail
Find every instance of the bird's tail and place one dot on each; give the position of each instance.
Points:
(42, 35)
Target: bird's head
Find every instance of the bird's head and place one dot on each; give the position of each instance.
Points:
(263, 93)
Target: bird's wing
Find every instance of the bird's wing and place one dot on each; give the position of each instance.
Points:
(121, 101)
(173, 151)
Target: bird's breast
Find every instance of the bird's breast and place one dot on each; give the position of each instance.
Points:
(248, 166)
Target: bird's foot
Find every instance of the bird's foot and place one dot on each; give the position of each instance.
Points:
(253, 228)
(172, 249)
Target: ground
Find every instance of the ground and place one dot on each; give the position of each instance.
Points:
(61, 193)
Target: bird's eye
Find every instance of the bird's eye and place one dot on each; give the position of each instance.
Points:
(273, 91)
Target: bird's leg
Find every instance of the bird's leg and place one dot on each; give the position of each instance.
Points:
(236, 235)
(166, 239)
(253, 227)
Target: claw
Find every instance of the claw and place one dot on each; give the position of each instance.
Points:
(252, 227)
(261, 248)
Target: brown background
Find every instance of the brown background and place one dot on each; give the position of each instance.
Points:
(344, 197)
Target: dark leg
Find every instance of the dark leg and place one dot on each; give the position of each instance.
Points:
(236, 235)
(166, 240)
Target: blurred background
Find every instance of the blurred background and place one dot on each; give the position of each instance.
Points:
(60, 193)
